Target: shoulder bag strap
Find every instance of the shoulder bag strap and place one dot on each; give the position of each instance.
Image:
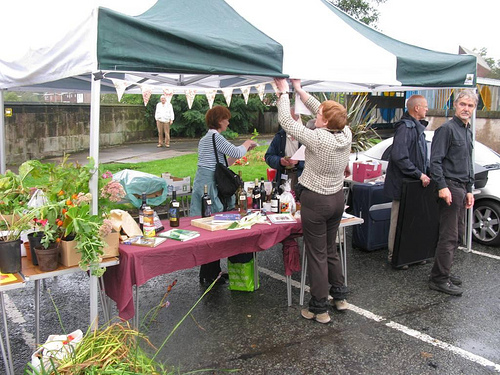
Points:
(215, 150)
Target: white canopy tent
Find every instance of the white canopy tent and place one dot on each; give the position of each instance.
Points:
(199, 45)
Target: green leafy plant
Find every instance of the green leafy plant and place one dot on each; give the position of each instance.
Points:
(116, 349)
(361, 117)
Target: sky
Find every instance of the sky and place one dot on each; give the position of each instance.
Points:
(443, 25)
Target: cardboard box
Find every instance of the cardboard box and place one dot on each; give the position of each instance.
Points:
(366, 170)
(69, 257)
(180, 185)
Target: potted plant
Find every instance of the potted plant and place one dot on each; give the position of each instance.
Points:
(11, 227)
(88, 232)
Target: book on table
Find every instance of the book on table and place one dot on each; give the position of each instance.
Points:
(225, 217)
(180, 234)
(281, 218)
(144, 241)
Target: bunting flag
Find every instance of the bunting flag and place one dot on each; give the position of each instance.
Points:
(120, 87)
(146, 93)
(169, 93)
(275, 88)
(228, 92)
(260, 90)
(246, 92)
(190, 94)
(210, 97)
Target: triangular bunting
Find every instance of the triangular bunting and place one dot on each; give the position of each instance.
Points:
(210, 97)
(168, 92)
(260, 90)
(120, 87)
(228, 93)
(246, 92)
(146, 93)
(190, 94)
(275, 88)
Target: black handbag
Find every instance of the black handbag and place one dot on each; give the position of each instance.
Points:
(226, 180)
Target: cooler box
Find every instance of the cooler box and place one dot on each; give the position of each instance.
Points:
(365, 170)
(418, 224)
(374, 207)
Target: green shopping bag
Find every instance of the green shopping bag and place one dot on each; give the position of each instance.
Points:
(241, 276)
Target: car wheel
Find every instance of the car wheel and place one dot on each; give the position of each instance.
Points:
(486, 223)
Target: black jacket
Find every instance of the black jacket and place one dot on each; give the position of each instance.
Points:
(408, 158)
(276, 151)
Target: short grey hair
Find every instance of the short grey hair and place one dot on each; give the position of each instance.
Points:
(467, 93)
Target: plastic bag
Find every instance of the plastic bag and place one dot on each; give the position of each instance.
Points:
(55, 349)
(241, 276)
(136, 183)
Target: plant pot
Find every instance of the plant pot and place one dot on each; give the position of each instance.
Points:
(28, 251)
(34, 239)
(68, 255)
(10, 256)
(48, 259)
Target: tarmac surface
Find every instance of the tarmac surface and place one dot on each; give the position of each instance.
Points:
(395, 323)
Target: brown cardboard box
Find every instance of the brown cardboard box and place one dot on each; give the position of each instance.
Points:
(69, 257)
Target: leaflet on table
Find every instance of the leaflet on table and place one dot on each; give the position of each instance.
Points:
(180, 234)
(144, 241)
(281, 218)
(224, 218)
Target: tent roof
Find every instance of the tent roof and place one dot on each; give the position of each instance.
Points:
(229, 43)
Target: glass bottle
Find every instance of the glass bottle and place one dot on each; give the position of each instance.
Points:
(173, 210)
(275, 200)
(263, 195)
(206, 203)
(141, 211)
(242, 200)
(256, 202)
(149, 222)
(238, 193)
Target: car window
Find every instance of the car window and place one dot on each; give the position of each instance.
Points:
(486, 157)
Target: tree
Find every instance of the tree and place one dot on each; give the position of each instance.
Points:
(494, 65)
(362, 10)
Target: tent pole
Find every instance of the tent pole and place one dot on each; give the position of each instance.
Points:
(470, 211)
(95, 99)
(3, 162)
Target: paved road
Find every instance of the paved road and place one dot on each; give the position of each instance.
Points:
(395, 325)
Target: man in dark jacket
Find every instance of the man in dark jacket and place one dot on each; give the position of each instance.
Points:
(278, 157)
(452, 170)
(408, 159)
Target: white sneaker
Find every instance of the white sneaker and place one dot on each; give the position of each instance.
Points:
(320, 318)
(341, 304)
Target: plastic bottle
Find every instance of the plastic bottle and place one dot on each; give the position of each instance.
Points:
(173, 211)
(287, 201)
(141, 211)
(206, 203)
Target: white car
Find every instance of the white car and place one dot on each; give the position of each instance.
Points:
(486, 216)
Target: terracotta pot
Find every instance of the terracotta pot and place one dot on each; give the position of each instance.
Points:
(48, 259)
(10, 256)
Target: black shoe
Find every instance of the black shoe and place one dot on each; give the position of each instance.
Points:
(399, 268)
(446, 287)
(455, 280)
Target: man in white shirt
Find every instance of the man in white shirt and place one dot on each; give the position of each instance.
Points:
(164, 117)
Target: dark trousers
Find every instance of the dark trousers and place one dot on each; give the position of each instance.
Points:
(451, 230)
(321, 215)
